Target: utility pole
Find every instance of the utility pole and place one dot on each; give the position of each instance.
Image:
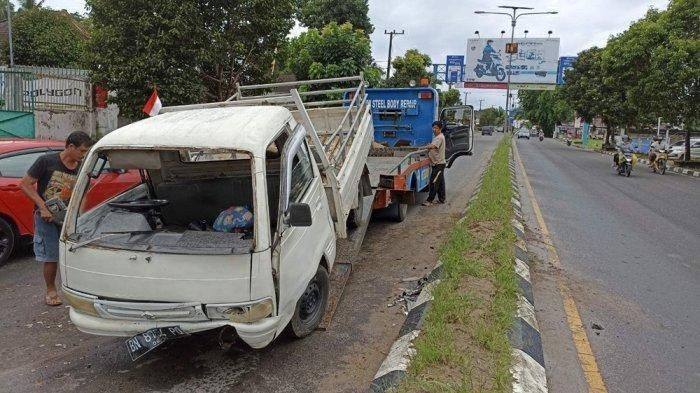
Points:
(466, 93)
(391, 41)
(480, 101)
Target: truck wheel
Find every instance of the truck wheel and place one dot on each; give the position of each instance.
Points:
(7, 240)
(355, 216)
(401, 211)
(311, 306)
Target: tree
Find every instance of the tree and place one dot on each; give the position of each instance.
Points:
(671, 87)
(44, 37)
(3, 9)
(591, 93)
(319, 13)
(449, 98)
(411, 67)
(652, 69)
(192, 50)
(492, 117)
(30, 4)
(545, 108)
(334, 51)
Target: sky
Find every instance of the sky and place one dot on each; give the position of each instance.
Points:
(443, 30)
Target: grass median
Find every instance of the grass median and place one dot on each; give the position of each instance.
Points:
(464, 344)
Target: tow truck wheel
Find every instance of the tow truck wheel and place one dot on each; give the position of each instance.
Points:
(311, 306)
(401, 211)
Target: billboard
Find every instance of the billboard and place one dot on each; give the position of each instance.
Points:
(454, 68)
(537, 60)
(565, 63)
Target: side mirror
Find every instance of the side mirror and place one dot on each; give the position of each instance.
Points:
(298, 215)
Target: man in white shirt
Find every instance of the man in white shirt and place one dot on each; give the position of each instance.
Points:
(436, 153)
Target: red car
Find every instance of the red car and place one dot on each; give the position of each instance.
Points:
(16, 210)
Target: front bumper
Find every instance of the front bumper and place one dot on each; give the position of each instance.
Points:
(257, 334)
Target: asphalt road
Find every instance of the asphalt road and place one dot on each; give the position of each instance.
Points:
(42, 351)
(630, 251)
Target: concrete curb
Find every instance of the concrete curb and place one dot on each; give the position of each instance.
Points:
(393, 369)
(528, 367)
(671, 168)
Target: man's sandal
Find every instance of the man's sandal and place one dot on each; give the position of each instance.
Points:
(53, 300)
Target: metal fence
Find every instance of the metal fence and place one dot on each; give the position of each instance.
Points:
(46, 88)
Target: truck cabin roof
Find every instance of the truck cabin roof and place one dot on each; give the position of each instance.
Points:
(247, 128)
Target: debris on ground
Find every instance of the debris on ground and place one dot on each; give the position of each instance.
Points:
(409, 296)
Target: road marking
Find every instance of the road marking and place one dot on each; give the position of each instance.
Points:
(583, 346)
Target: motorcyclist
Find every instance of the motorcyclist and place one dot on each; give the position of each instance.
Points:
(653, 149)
(625, 146)
(486, 58)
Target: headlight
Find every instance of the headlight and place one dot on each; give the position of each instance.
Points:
(241, 313)
(85, 304)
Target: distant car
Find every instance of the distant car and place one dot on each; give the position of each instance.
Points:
(487, 130)
(677, 151)
(499, 129)
(534, 132)
(16, 210)
(523, 133)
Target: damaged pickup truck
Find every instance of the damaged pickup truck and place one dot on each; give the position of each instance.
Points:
(234, 220)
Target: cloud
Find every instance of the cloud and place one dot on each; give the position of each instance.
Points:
(442, 28)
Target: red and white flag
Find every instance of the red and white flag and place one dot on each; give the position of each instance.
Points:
(153, 104)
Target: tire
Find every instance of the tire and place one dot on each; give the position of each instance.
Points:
(401, 210)
(311, 306)
(356, 214)
(8, 239)
(628, 170)
(662, 166)
(478, 72)
(500, 74)
(355, 217)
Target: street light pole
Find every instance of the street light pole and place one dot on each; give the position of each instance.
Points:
(506, 127)
(513, 20)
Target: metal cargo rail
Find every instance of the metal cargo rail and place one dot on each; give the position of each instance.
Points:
(339, 130)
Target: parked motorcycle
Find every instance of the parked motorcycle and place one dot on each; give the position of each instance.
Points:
(494, 69)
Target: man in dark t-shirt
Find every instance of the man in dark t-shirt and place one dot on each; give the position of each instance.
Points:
(51, 178)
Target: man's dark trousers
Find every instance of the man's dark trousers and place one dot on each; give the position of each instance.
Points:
(437, 182)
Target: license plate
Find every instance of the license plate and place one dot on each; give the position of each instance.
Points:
(149, 340)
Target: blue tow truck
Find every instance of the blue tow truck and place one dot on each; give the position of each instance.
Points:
(403, 120)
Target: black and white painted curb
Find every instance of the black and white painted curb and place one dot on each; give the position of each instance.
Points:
(528, 356)
(393, 368)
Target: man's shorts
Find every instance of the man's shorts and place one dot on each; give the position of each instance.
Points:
(45, 239)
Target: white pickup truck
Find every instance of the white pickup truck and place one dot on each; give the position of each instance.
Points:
(285, 176)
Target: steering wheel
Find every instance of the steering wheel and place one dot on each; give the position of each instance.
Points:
(140, 205)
